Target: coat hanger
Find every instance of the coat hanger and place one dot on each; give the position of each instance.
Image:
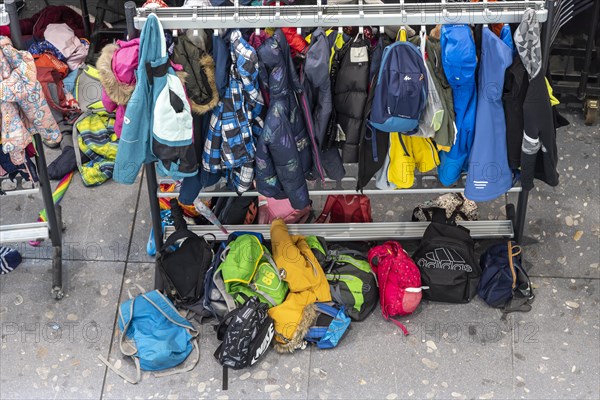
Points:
(486, 12)
(361, 14)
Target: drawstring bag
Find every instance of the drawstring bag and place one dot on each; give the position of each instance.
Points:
(433, 114)
(155, 335)
(504, 282)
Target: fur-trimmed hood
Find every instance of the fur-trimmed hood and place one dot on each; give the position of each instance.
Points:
(200, 69)
(116, 66)
(285, 345)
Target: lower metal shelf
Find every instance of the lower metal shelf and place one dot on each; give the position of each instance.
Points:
(362, 231)
(24, 232)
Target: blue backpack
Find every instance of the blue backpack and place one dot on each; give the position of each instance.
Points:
(155, 335)
(329, 327)
(401, 90)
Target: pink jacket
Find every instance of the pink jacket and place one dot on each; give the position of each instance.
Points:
(23, 106)
(116, 65)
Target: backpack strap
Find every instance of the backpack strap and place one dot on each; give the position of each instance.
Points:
(130, 353)
(326, 209)
(438, 215)
(177, 321)
(176, 236)
(384, 311)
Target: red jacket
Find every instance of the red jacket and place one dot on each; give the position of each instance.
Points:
(297, 42)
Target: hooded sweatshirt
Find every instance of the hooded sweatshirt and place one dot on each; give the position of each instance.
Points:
(307, 285)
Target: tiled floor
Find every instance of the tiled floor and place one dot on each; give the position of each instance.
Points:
(49, 349)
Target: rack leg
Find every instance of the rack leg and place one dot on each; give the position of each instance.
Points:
(547, 35)
(15, 28)
(85, 17)
(53, 220)
(521, 215)
(152, 183)
(129, 14)
(581, 91)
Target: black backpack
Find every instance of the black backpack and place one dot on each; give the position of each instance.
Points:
(246, 333)
(183, 265)
(446, 259)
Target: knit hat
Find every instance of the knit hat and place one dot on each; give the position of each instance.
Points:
(9, 259)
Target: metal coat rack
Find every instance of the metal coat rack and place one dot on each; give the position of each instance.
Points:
(360, 14)
(35, 230)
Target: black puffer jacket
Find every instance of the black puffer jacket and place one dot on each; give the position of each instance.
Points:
(350, 95)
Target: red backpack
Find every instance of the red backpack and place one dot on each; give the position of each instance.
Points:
(346, 208)
(399, 281)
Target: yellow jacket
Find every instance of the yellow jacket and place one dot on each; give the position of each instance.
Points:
(307, 285)
(408, 153)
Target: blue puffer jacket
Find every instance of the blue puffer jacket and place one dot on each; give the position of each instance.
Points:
(283, 153)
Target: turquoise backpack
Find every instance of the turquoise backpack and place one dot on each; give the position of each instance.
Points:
(155, 335)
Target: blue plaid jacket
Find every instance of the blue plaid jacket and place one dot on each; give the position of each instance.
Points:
(237, 120)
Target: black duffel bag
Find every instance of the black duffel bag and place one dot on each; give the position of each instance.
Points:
(446, 259)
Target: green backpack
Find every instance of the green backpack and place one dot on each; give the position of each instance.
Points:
(351, 280)
(248, 270)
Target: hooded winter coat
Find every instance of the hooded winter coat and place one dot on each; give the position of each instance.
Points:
(318, 105)
(158, 120)
(283, 150)
(350, 96)
(116, 67)
(237, 120)
(23, 107)
(307, 285)
(200, 80)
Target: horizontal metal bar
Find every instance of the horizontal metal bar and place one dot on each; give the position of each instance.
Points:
(326, 192)
(21, 192)
(362, 231)
(24, 232)
(340, 15)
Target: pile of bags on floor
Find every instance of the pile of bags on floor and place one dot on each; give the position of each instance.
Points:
(292, 291)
